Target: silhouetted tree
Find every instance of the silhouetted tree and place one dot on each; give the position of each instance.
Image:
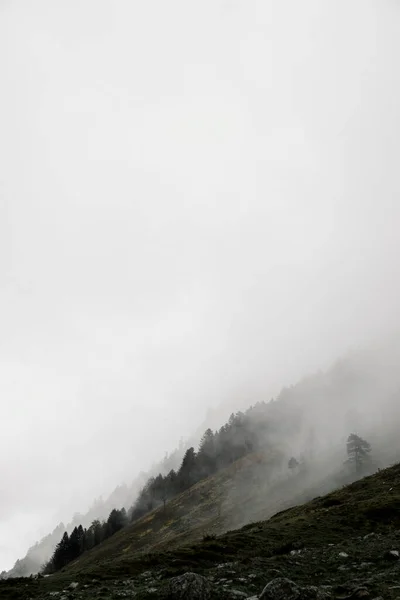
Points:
(206, 457)
(116, 521)
(187, 471)
(60, 556)
(358, 451)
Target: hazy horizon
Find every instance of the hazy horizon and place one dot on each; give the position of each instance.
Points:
(198, 202)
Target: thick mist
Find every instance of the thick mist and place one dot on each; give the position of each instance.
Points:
(198, 206)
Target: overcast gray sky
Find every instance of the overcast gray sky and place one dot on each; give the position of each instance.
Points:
(196, 198)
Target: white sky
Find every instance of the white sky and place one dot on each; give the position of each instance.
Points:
(195, 197)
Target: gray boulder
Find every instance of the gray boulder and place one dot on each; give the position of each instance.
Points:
(285, 589)
(280, 589)
(189, 586)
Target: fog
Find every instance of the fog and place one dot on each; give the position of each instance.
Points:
(199, 205)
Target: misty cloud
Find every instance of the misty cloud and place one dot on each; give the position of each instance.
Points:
(195, 202)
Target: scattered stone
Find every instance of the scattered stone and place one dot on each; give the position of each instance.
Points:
(189, 586)
(284, 589)
(226, 565)
(369, 535)
(280, 589)
(73, 585)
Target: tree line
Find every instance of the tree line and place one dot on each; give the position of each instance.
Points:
(217, 450)
(72, 546)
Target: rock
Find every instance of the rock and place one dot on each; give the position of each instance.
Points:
(73, 585)
(357, 592)
(392, 555)
(343, 555)
(226, 565)
(189, 586)
(284, 589)
(238, 594)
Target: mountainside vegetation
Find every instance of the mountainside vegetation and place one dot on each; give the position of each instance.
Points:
(345, 544)
(122, 496)
(275, 454)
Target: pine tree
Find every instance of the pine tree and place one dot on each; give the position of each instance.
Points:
(61, 554)
(116, 520)
(206, 457)
(97, 532)
(186, 473)
(358, 451)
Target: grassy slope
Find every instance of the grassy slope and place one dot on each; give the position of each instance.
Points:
(371, 504)
(209, 507)
(367, 505)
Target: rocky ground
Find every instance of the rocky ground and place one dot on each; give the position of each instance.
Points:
(365, 567)
(342, 546)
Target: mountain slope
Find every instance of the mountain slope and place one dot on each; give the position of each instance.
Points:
(345, 540)
(310, 420)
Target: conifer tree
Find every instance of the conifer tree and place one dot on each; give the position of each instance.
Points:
(358, 452)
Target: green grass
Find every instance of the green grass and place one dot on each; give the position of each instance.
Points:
(362, 507)
(183, 538)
